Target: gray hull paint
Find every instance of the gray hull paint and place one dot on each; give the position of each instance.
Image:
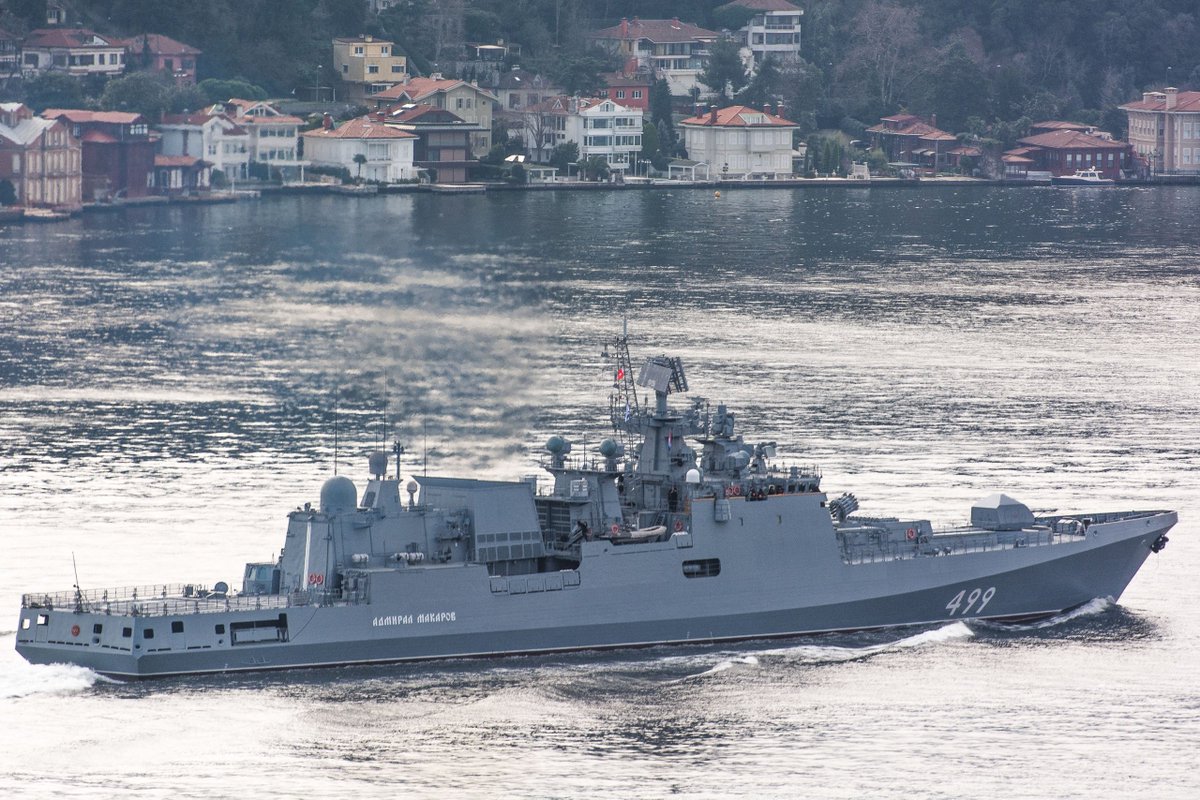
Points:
(830, 596)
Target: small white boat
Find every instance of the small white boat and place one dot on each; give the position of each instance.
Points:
(1082, 177)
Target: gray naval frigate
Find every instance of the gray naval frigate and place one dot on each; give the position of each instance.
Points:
(677, 531)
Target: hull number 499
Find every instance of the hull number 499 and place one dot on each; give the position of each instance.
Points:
(977, 595)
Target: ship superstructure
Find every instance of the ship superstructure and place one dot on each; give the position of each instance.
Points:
(677, 530)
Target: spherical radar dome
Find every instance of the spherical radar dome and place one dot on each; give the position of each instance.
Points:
(338, 495)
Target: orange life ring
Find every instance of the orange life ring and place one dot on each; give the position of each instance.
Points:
(911, 534)
(615, 529)
(74, 630)
(678, 525)
(316, 578)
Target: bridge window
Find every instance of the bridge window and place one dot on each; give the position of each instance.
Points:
(126, 632)
(177, 626)
(97, 629)
(148, 633)
(220, 629)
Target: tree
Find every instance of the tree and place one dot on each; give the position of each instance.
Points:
(564, 155)
(597, 168)
(8, 193)
(144, 93)
(581, 75)
(725, 73)
(218, 91)
(886, 52)
(53, 90)
(766, 85)
(359, 159)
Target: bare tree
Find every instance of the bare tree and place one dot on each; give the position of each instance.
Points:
(886, 50)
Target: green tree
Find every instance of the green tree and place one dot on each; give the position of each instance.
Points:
(563, 156)
(53, 90)
(144, 93)
(218, 91)
(765, 86)
(8, 193)
(597, 169)
(359, 159)
(581, 75)
(650, 144)
(725, 73)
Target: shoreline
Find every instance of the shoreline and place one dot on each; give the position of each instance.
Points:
(18, 215)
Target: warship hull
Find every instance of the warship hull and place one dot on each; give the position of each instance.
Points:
(762, 581)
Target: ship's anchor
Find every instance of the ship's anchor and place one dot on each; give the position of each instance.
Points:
(1159, 543)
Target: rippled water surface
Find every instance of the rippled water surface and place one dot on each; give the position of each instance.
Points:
(171, 378)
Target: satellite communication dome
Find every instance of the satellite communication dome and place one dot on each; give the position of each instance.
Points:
(338, 495)
(412, 487)
(378, 461)
(693, 476)
(556, 445)
(609, 448)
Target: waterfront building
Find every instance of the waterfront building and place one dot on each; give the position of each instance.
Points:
(367, 66)
(75, 51)
(118, 152)
(465, 100)
(387, 152)
(40, 159)
(598, 126)
(1164, 130)
(773, 30)
(1065, 150)
(741, 142)
(158, 53)
(274, 136)
(909, 140)
(443, 144)
(667, 48)
(213, 137)
(181, 175)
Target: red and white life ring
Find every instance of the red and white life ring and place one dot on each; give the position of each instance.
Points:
(678, 525)
(74, 630)
(615, 529)
(910, 534)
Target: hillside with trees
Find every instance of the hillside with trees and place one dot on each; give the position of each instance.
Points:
(985, 66)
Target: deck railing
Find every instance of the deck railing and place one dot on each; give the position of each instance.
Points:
(164, 599)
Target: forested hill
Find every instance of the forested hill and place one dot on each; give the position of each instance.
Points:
(972, 62)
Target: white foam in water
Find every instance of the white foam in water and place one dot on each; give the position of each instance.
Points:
(819, 654)
(1094, 606)
(19, 678)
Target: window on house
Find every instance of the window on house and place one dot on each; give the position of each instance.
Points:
(384, 50)
(397, 69)
(358, 51)
(637, 94)
(345, 68)
(372, 69)
(620, 94)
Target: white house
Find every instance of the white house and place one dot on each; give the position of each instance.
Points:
(388, 151)
(773, 30)
(274, 136)
(598, 126)
(1164, 129)
(740, 141)
(75, 51)
(215, 138)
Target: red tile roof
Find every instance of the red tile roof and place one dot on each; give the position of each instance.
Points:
(158, 44)
(360, 128)
(106, 117)
(659, 31)
(561, 104)
(67, 37)
(739, 117)
(1074, 140)
(910, 125)
(1184, 101)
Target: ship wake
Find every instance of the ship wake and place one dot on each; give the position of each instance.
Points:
(1091, 608)
(814, 654)
(21, 679)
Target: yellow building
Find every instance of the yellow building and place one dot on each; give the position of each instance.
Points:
(366, 66)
